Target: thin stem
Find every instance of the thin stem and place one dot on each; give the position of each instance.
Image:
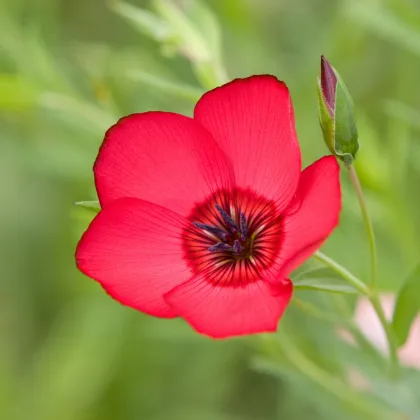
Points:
(392, 341)
(374, 299)
(330, 383)
(341, 304)
(345, 321)
(343, 272)
(366, 219)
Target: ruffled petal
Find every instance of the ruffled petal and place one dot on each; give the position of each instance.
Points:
(134, 249)
(161, 157)
(313, 213)
(253, 121)
(221, 312)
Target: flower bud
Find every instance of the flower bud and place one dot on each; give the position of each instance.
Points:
(336, 114)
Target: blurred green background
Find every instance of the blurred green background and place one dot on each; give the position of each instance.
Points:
(69, 70)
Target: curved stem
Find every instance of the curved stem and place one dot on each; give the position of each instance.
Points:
(327, 381)
(374, 299)
(392, 341)
(343, 272)
(367, 221)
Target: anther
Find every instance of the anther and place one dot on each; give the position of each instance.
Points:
(220, 247)
(244, 227)
(229, 221)
(237, 247)
(220, 233)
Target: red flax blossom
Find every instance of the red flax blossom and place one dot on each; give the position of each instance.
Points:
(204, 218)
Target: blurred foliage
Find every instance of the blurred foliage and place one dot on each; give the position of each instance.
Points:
(68, 70)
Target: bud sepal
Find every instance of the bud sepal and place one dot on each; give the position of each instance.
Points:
(336, 114)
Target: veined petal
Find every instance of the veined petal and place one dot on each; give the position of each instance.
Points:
(312, 215)
(133, 248)
(161, 157)
(253, 121)
(221, 312)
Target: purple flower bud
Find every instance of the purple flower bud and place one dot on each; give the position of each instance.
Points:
(328, 84)
(336, 114)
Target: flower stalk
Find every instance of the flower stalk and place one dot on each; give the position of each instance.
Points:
(390, 336)
(374, 300)
(324, 379)
(343, 272)
(367, 221)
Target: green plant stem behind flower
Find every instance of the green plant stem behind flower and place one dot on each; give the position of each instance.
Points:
(367, 221)
(324, 379)
(374, 299)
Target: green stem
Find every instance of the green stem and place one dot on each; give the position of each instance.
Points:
(343, 308)
(367, 221)
(343, 272)
(374, 299)
(330, 383)
(345, 321)
(392, 340)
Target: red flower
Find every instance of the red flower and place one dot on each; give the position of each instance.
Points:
(205, 217)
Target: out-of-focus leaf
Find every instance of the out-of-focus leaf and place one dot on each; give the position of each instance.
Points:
(144, 21)
(78, 112)
(381, 21)
(40, 63)
(274, 368)
(407, 306)
(210, 75)
(167, 86)
(366, 373)
(68, 369)
(16, 93)
(403, 112)
(195, 43)
(89, 205)
(206, 22)
(323, 280)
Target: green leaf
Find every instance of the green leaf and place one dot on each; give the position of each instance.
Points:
(89, 205)
(407, 306)
(322, 280)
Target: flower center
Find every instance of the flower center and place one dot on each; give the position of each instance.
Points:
(233, 238)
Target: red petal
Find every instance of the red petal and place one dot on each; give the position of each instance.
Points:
(221, 312)
(133, 248)
(313, 213)
(165, 158)
(253, 121)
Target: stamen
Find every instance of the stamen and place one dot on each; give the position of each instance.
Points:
(220, 233)
(229, 221)
(220, 247)
(233, 237)
(237, 247)
(244, 226)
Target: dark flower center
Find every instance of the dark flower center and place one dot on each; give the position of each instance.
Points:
(234, 237)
